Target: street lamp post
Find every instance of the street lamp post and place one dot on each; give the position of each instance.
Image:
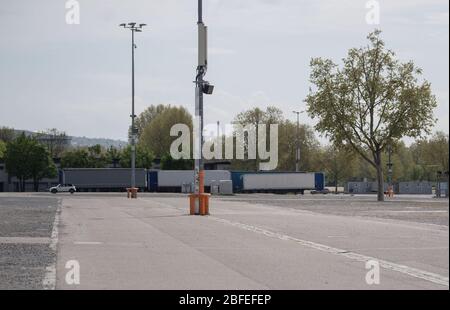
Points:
(297, 153)
(134, 27)
(390, 165)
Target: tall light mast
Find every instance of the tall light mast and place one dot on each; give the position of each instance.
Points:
(134, 28)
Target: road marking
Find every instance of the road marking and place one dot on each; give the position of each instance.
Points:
(87, 243)
(24, 240)
(49, 281)
(409, 211)
(405, 249)
(416, 273)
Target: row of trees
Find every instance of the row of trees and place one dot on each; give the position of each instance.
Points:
(419, 161)
(26, 158)
(365, 107)
(99, 157)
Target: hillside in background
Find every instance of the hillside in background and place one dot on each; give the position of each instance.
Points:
(85, 142)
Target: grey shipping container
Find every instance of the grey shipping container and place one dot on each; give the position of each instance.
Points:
(104, 179)
(364, 187)
(425, 188)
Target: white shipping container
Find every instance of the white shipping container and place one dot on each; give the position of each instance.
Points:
(279, 181)
(168, 178)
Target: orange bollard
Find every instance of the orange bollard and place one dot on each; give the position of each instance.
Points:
(132, 193)
(192, 200)
(201, 198)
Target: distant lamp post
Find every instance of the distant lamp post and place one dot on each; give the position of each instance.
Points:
(390, 190)
(134, 27)
(390, 165)
(297, 152)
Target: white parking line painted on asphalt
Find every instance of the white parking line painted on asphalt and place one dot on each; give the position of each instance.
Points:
(410, 211)
(87, 243)
(416, 273)
(24, 240)
(49, 281)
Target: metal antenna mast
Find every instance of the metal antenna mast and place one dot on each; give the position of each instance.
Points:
(201, 87)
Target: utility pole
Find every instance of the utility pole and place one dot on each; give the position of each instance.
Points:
(201, 87)
(390, 171)
(297, 152)
(134, 28)
(218, 133)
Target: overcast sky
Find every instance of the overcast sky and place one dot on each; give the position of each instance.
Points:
(77, 77)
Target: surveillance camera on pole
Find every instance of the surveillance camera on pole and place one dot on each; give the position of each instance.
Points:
(199, 201)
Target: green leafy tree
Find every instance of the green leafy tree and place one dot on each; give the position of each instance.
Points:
(156, 135)
(436, 151)
(56, 141)
(429, 156)
(7, 134)
(168, 163)
(76, 158)
(97, 157)
(144, 157)
(146, 117)
(40, 164)
(113, 156)
(92, 157)
(287, 147)
(2, 149)
(26, 159)
(338, 164)
(256, 117)
(370, 103)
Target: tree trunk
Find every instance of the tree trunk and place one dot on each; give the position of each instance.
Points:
(36, 184)
(257, 150)
(380, 176)
(22, 184)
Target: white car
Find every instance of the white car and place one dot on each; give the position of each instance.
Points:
(65, 188)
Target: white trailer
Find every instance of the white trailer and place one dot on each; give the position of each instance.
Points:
(279, 182)
(176, 179)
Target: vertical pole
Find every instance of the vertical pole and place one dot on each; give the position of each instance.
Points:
(198, 142)
(218, 135)
(297, 164)
(199, 118)
(297, 151)
(133, 141)
(390, 165)
(200, 11)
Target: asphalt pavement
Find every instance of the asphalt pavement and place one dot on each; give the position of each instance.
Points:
(248, 242)
(26, 224)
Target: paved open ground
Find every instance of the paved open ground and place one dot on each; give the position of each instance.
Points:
(249, 242)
